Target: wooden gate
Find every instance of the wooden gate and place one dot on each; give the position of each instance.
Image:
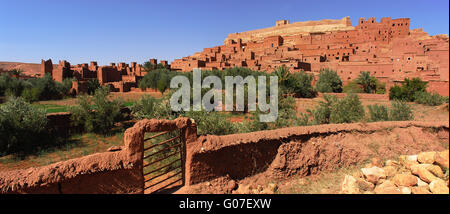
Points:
(163, 162)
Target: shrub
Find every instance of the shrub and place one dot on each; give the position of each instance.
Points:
(96, 114)
(400, 111)
(213, 123)
(31, 94)
(334, 110)
(381, 87)
(347, 110)
(407, 90)
(329, 81)
(11, 86)
(352, 87)
(431, 99)
(300, 84)
(396, 93)
(378, 113)
(150, 107)
(22, 127)
(322, 113)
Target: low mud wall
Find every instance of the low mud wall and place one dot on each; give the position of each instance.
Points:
(307, 150)
(119, 170)
(360, 95)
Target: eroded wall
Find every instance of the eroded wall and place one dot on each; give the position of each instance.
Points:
(307, 150)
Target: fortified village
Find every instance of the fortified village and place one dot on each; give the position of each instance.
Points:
(388, 49)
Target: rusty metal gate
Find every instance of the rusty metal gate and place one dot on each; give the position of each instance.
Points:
(163, 162)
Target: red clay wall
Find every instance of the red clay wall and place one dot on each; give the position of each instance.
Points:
(242, 155)
(361, 96)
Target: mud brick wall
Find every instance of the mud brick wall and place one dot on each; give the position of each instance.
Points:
(116, 171)
(242, 155)
(361, 96)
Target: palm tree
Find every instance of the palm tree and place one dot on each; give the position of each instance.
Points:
(368, 82)
(15, 72)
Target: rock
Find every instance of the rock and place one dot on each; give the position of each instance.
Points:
(272, 187)
(373, 174)
(232, 185)
(415, 168)
(349, 185)
(390, 171)
(405, 190)
(426, 175)
(420, 190)
(364, 185)
(409, 164)
(406, 180)
(376, 162)
(421, 183)
(436, 170)
(426, 157)
(439, 187)
(392, 163)
(380, 181)
(114, 148)
(441, 159)
(260, 188)
(243, 189)
(404, 158)
(387, 187)
(358, 174)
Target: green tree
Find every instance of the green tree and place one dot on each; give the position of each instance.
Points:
(97, 114)
(22, 127)
(368, 83)
(329, 82)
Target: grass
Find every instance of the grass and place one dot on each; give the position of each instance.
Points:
(82, 145)
(52, 108)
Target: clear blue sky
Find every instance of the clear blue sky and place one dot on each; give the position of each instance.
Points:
(111, 30)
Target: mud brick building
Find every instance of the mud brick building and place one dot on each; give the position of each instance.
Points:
(121, 77)
(388, 49)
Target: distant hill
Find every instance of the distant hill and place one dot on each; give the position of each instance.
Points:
(29, 69)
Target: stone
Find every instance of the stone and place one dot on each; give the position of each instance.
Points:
(426, 157)
(426, 175)
(390, 171)
(387, 187)
(436, 170)
(391, 163)
(232, 185)
(349, 185)
(405, 158)
(405, 190)
(272, 187)
(406, 180)
(420, 190)
(243, 189)
(439, 187)
(421, 183)
(114, 148)
(441, 159)
(364, 185)
(373, 174)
